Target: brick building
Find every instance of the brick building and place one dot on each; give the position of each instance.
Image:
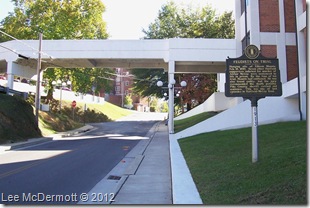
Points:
(278, 28)
(122, 87)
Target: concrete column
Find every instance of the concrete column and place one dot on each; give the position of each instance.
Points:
(253, 22)
(171, 71)
(281, 44)
(10, 74)
(302, 58)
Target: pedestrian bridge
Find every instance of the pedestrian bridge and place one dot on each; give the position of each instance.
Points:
(20, 58)
(187, 55)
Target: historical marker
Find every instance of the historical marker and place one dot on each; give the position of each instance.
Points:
(253, 76)
(259, 77)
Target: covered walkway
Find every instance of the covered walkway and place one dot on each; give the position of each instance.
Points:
(174, 55)
(189, 55)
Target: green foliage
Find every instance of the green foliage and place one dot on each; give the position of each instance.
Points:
(221, 166)
(67, 19)
(174, 22)
(88, 116)
(146, 79)
(128, 101)
(83, 80)
(154, 104)
(190, 22)
(164, 107)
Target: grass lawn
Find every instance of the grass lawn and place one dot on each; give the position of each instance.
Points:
(112, 111)
(182, 124)
(221, 165)
(51, 123)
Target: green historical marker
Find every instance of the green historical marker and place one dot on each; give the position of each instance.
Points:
(253, 76)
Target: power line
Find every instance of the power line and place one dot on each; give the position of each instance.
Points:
(8, 49)
(19, 55)
(29, 46)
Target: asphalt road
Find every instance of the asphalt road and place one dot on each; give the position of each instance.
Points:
(58, 172)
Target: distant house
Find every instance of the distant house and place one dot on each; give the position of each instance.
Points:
(123, 84)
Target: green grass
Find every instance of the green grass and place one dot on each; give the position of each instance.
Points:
(221, 165)
(113, 112)
(53, 122)
(17, 120)
(182, 124)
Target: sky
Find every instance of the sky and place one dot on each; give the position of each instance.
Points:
(126, 18)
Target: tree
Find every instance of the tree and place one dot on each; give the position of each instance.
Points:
(198, 89)
(128, 102)
(190, 22)
(145, 82)
(56, 19)
(61, 19)
(175, 22)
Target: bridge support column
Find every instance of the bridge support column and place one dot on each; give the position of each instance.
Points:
(171, 79)
(10, 74)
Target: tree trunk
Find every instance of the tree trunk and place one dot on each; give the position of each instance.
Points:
(189, 106)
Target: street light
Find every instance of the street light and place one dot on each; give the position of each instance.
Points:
(61, 84)
(171, 88)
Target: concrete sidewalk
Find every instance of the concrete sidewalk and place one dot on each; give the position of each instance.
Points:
(161, 175)
(150, 181)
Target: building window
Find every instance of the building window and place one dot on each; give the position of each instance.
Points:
(127, 83)
(117, 89)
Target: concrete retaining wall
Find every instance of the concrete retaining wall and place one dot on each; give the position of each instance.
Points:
(270, 110)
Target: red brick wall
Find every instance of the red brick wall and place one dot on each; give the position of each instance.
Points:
(115, 99)
(291, 62)
(289, 15)
(269, 51)
(269, 16)
(304, 4)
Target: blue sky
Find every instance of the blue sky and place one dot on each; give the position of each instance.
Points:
(128, 20)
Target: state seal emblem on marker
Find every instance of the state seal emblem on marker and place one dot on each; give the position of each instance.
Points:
(251, 52)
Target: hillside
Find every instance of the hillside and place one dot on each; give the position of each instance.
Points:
(17, 120)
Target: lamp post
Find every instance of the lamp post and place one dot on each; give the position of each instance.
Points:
(61, 84)
(171, 87)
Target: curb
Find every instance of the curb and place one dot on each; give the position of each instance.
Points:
(184, 189)
(30, 142)
(35, 141)
(135, 156)
(75, 132)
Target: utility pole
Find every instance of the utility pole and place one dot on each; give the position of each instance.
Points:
(37, 98)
